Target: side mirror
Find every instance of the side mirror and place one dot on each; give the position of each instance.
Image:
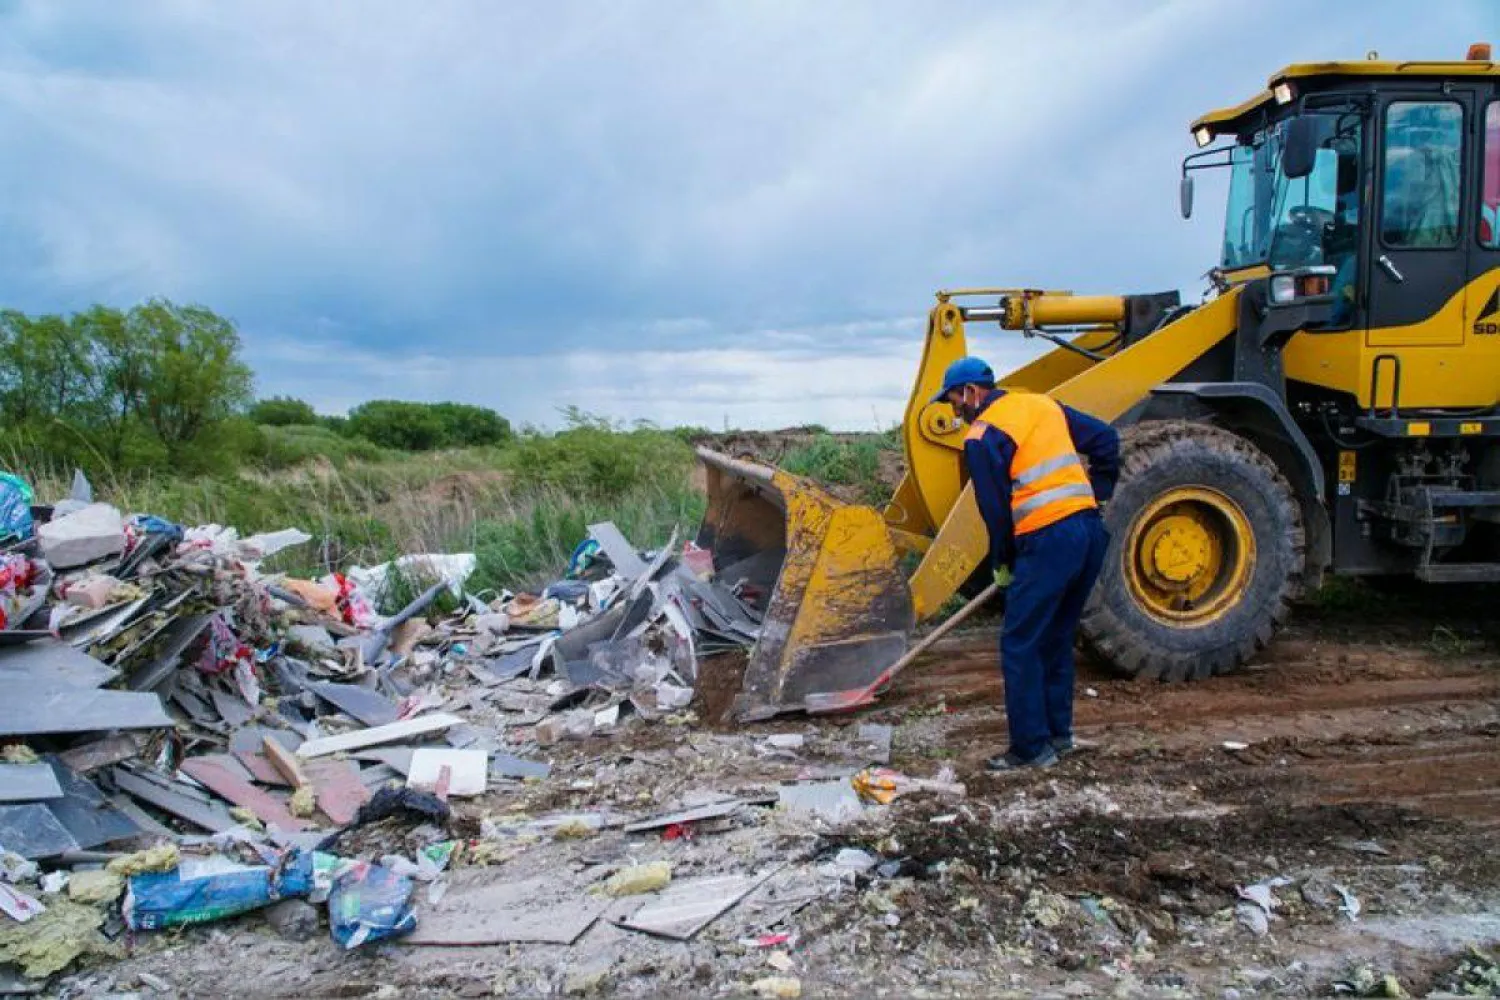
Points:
(1185, 195)
(1299, 150)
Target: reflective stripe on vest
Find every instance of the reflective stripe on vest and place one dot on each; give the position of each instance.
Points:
(1048, 480)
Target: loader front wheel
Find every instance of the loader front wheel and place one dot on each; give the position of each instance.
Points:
(1206, 555)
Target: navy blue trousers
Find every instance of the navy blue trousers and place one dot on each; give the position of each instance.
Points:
(1055, 569)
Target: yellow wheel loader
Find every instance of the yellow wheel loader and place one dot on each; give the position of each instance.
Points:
(1333, 404)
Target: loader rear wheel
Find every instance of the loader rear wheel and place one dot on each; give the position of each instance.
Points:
(1206, 554)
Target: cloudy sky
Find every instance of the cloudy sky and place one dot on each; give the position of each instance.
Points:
(687, 212)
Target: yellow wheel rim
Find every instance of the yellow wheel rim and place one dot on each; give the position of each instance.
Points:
(1188, 555)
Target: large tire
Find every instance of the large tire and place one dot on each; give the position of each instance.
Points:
(1144, 631)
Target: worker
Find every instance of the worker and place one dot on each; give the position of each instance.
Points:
(1047, 542)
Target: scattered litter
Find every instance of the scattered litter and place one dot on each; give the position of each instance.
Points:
(1351, 906)
(369, 903)
(882, 785)
(638, 879)
(1235, 745)
(545, 910)
(780, 987)
(689, 905)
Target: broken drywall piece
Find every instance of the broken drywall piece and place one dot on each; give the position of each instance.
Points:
(468, 770)
(377, 735)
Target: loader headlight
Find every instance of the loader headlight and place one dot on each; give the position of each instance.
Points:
(1283, 92)
(1304, 283)
(1203, 135)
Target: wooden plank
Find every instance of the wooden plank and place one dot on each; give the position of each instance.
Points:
(284, 761)
(377, 735)
(208, 816)
(218, 776)
(100, 753)
(261, 769)
(338, 789)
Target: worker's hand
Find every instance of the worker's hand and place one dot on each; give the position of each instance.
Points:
(1002, 577)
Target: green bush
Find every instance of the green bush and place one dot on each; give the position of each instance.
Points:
(284, 447)
(282, 411)
(426, 426)
(828, 459)
(595, 457)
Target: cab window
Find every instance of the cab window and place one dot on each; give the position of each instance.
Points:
(1489, 202)
(1419, 206)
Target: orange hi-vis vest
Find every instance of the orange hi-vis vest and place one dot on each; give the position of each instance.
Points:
(1048, 481)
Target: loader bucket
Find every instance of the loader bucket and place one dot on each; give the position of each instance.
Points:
(839, 611)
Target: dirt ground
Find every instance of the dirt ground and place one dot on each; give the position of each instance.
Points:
(1358, 761)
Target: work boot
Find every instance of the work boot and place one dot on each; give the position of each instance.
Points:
(1066, 746)
(1010, 761)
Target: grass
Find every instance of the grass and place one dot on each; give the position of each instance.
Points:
(854, 462)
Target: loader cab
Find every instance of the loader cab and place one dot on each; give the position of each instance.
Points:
(1385, 179)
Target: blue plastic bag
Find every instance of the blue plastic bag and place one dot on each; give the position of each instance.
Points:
(15, 507)
(369, 903)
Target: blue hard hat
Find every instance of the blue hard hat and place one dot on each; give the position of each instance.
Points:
(965, 371)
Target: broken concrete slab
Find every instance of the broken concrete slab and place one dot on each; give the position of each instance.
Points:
(687, 906)
(33, 832)
(377, 735)
(338, 788)
(28, 783)
(79, 711)
(544, 910)
(468, 770)
(84, 536)
(363, 704)
(218, 773)
(50, 665)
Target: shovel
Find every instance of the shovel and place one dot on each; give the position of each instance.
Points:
(846, 701)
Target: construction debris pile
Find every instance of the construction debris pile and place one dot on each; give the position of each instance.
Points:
(187, 737)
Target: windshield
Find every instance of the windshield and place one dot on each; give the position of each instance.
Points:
(1288, 222)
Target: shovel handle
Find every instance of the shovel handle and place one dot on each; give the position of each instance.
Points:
(842, 701)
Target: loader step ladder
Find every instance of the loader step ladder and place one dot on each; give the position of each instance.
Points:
(1436, 499)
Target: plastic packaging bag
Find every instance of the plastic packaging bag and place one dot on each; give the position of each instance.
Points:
(369, 903)
(210, 890)
(15, 507)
